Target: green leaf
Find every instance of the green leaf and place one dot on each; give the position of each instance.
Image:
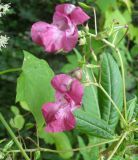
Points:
(8, 146)
(71, 65)
(131, 104)
(90, 125)
(2, 140)
(62, 143)
(24, 105)
(133, 32)
(47, 137)
(78, 55)
(105, 4)
(17, 122)
(90, 98)
(118, 158)
(134, 51)
(15, 110)
(2, 155)
(111, 81)
(84, 153)
(129, 4)
(135, 157)
(94, 151)
(110, 16)
(37, 155)
(136, 111)
(33, 85)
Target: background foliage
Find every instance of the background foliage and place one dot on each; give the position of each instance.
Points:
(17, 26)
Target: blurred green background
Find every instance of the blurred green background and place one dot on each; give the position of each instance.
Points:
(23, 13)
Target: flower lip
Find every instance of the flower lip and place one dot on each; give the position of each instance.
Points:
(58, 117)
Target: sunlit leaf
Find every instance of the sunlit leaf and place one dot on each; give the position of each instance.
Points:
(34, 87)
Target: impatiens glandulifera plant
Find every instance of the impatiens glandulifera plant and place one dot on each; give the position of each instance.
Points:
(90, 100)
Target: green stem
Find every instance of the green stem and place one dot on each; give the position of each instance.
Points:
(122, 70)
(113, 103)
(100, 86)
(10, 70)
(123, 79)
(117, 146)
(13, 137)
(63, 151)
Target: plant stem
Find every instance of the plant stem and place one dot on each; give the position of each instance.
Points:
(13, 137)
(117, 146)
(95, 20)
(63, 151)
(122, 70)
(100, 86)
(123, 80)
(10, 70)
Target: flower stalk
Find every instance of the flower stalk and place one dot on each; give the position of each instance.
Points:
(122, 70)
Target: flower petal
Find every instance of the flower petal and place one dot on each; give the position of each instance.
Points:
(37, 30)
(58, 117)
(76, 92)
(49, 36)
(65, 121)
(70, 41)
(49, 110)
(61, 82)
(53, 39)
(65, 8)
(78, 16)
(70, 30)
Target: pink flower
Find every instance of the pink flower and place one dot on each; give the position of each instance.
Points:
(62, 34)
(58, 115)
(76, 14)
(69, 87)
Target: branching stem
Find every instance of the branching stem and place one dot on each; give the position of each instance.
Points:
(63, 151)
(13, 137)
(122, 70)
(117, 146)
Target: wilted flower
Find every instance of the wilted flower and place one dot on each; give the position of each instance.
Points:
(62, 34)
(58, 115)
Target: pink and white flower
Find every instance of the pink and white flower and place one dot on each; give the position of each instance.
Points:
(59, 115)
(62, 34)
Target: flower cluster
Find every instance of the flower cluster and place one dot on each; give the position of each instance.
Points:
(4, 8)
(3, 41)
(58, 115)
(62, 33)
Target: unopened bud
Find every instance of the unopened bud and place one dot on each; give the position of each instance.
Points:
(82, 41)
(87, 28)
